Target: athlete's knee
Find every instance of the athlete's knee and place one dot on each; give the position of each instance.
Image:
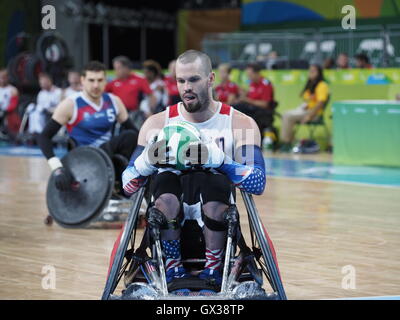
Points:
(215, 210)
(168, 204)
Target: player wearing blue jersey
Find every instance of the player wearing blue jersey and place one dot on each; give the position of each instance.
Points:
(90, 117)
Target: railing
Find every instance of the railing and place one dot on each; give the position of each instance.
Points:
(313, 45)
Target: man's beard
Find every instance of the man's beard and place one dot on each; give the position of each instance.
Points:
(202, 103)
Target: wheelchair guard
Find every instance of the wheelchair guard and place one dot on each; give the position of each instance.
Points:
(88, 201)
(142, 268)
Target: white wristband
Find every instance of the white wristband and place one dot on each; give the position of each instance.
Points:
(142, 167)
(54, 163)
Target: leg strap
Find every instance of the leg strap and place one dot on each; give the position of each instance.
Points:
(212, 224)
(230, 216)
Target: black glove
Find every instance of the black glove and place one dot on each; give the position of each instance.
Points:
(195, 155)
(160, 155)
(63, 179)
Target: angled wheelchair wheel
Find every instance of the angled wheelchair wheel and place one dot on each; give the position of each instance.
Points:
(94, 173)
(263, 249)
(121, 256)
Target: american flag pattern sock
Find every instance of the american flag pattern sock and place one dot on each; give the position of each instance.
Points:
(213, 258)
(172, 250)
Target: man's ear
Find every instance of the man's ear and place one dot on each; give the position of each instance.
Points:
(211, 79)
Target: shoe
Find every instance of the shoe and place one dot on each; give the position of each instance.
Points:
(213, 275)
(175, 273)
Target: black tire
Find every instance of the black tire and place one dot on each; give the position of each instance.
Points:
(115, 272)
(98, 210)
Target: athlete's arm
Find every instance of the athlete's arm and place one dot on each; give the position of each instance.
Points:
(123, 116)
(13, 100)
(122, 112)
(62, 114)
(248, 169)
(140, 167)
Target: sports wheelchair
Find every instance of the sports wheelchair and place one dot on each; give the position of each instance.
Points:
(245, 268)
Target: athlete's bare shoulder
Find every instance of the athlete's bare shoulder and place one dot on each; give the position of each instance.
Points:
(245, 129)
(14, 90)
(64, 111)
(151, 126)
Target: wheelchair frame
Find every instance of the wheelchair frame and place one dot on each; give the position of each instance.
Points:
(262, 254)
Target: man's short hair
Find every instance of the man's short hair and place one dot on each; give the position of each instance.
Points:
(45, 75)
(73, 71)
(124, 60)
(363, 57)
(95, 66)
(227, 66)
(153, 66)
(256, 67)
(190, 56)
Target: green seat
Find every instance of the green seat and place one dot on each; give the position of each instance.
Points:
(313, 124)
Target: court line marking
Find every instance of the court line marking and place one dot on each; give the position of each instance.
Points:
(333, 181)
(370, 298)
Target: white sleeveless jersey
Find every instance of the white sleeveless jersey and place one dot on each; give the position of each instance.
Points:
(5, 97)
(218, 127)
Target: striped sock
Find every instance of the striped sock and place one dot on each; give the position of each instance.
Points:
(172, 250)
(213, 258)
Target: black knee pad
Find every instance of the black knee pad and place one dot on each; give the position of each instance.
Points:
(166, 182)
(216, 187)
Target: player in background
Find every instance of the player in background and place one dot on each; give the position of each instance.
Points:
(9, 98)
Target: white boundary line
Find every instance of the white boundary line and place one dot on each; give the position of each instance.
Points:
(370, 298)
(334, 181)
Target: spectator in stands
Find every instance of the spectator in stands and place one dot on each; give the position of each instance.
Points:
(362, 61)
(258, 102)
(170, 83)
(329, 63)
(153, 74)
(128, 86)
(48, 98)
(227, 91)
(74, 81)
(315, 95)
(342, 61)
(9, 97)
(398, 97)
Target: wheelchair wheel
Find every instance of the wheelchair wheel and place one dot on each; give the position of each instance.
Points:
(263, 249)
(121, 256)
(94, 172)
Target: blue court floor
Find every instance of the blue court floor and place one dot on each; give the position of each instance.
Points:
(278, 167)
(308, 169)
